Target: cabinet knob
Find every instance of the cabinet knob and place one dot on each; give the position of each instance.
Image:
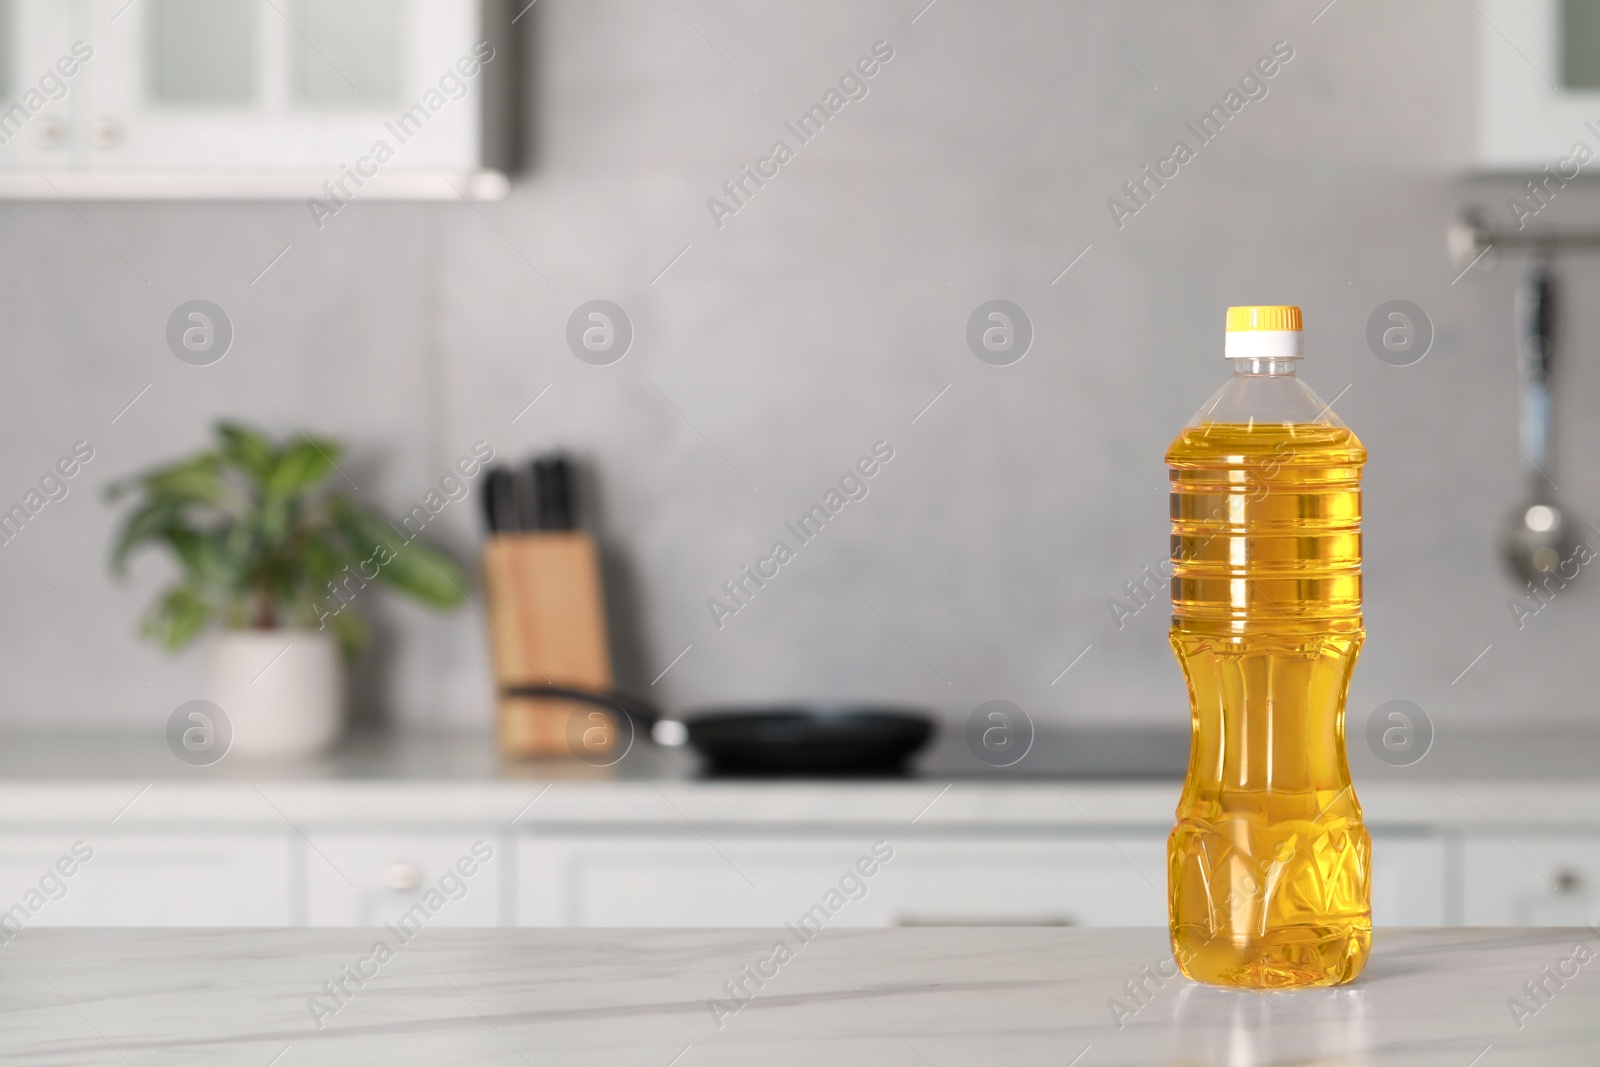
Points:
(1568, 881)
(106, 133)
(401, 876)
(50, 133)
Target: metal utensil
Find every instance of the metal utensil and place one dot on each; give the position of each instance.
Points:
(1541, 535)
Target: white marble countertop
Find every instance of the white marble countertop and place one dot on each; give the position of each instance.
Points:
(1528, 782)
(918, 997)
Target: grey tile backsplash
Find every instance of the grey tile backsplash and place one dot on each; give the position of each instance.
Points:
(822, 317)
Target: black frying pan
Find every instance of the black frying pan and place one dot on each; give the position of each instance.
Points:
(778, 739)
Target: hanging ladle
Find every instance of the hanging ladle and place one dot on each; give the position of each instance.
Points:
(1541, 538)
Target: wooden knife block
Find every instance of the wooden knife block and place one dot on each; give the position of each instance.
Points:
(547, 626)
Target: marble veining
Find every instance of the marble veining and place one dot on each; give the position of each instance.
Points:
(1091, 998)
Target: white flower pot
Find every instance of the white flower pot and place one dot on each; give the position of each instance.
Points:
(281, 690)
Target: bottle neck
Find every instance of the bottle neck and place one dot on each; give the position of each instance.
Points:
(1264, 368)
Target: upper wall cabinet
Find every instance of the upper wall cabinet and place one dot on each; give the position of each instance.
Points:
(135, 99)
(1539, 83)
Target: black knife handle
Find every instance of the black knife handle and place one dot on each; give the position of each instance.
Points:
(552, 481)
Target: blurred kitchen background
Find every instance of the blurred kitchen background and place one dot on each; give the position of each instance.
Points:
(551, 154)
(825, 315)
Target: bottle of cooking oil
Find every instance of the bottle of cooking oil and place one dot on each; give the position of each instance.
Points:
(1268, 866)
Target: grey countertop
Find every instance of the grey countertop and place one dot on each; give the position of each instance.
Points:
(1087, 754)
(1525, 780)
(659, 998)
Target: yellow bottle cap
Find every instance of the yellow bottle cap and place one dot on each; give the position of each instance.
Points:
(1263, 331)
(1263, 317)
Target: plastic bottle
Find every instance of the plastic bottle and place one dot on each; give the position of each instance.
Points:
(1268, 866)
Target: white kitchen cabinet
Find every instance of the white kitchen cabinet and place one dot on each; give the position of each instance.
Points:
(146, 879)
(1077, 881)
(1531, 879)
(36, 130)
(260, 98)
(370, 878)
(1408, 880)
(931, 880)
(767, 881)
(1538, 83)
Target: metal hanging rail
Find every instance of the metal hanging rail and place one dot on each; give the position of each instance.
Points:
(1473, 235)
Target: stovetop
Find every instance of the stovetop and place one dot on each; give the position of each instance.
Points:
(1121, 753)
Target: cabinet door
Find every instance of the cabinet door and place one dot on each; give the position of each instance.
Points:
(1533, 879)
(39, 103)
(144, 879)
(1526, 120)
(369, 879)
(1408, 880)
(743, 881)
(214, 85)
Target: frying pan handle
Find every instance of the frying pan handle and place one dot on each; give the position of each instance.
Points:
(617, 704)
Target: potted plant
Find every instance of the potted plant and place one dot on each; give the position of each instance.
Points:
(273, 557)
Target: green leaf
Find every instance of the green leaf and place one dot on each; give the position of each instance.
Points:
(323, 557)
(178, 617)
(409, 566)
(121, 487)
(274, 518)
(198, 481)
(238, 544)
(300, 467)
(351, 632)
(187, 545)
(427, 574)
(211, 559)
(152, 521)
(246, 450)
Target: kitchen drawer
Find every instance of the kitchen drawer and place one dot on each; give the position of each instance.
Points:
(369, 879)
(1532, 879)
(735, 880)
(1408, 880)
(145, 879)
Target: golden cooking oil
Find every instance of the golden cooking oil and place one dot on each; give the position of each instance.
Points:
(1269, 864)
